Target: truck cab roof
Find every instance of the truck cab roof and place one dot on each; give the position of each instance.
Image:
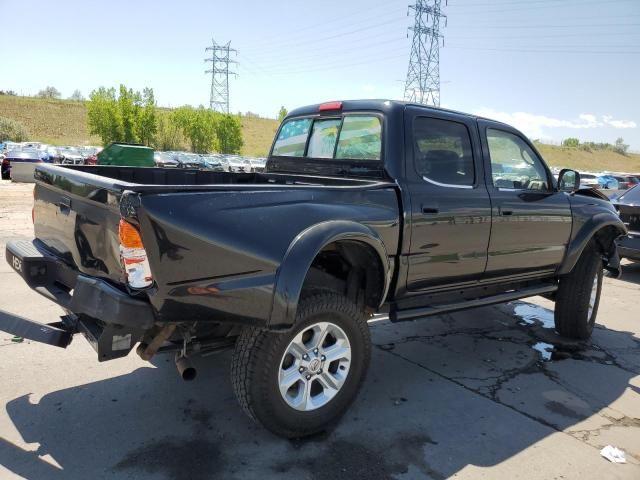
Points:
(385, 106)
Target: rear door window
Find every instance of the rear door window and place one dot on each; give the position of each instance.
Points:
(443, 154)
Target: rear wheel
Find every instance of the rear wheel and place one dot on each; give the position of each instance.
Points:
(299, 382)
(578, 296)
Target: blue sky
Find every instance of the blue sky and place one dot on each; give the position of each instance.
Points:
(554, 68)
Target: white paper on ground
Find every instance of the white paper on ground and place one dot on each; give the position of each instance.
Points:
(613, 454)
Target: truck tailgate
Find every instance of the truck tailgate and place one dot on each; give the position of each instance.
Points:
(78, 221)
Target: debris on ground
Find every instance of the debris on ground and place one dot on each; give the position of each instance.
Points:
(17, 339)
(613, 454)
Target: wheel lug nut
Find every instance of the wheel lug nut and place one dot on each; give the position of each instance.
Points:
(301, 369)
(320, 372)
(305, 356)
(323, 358)
(308, 377)
(315, 350)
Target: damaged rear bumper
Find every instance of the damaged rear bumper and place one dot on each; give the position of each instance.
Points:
(109, 318)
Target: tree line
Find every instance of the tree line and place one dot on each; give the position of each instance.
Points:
(129, 116)
(619, 146)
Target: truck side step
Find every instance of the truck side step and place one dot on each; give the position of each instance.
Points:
(410, 314)
(38, 332)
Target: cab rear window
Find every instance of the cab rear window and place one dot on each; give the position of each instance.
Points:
(292, 138)
(351, 137)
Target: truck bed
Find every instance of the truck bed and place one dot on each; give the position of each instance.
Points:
(215, 240)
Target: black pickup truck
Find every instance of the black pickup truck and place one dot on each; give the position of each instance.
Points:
(364, 206)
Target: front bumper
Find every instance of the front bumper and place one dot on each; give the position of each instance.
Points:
(109, 318)
(629, 247)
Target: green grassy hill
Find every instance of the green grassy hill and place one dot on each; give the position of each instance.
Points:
(596, 160)
(65, 122)
(60, 122)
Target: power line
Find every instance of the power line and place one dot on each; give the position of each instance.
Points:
(219, 96)
(537, 3)
(345, 65)
(423, 75)
(312, 55)
(519, 26)
(316, 40)
(540, 50)
(555, 35)
(309, 30)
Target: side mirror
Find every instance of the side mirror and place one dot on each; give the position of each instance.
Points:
(568, 180)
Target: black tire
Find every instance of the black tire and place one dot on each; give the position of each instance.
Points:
(572, 316)
(257, 360)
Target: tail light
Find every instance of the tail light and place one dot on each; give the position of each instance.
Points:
(133, 256)
(33, 208)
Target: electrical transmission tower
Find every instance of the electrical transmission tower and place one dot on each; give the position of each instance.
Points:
(423, 75)
(219, 98)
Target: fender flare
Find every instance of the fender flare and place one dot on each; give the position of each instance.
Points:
(596, 223)
(300, 255)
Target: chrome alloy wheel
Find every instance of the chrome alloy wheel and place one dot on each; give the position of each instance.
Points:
(594, 296)
(314, 366)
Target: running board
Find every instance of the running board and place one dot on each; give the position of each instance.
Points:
(410, 314)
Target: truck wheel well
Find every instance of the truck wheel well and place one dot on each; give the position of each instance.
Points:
(604, 238)
(348, 267)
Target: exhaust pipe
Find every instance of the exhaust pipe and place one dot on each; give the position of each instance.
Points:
(186, 370)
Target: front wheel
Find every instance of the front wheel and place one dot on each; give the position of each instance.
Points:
(299, 382)
(578, 296)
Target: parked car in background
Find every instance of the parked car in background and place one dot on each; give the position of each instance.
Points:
(189, 160)
(626, 181)
(165, 160)
(214, 162)
(589, 180)
(607, 182)
(70, 156)
(239, 164)
(22, 162)
(11, 146)
(258, 164)
(628, 207)
(126, 155)
(89, 154)
(52, 153)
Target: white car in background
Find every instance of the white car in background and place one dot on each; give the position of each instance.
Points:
(589, 180)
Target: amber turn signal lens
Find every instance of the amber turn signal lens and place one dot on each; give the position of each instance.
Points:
(129, 235)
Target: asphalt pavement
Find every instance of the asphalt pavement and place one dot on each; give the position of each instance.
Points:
(490, 393)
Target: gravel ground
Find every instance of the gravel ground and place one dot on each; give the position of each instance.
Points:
(482, 394)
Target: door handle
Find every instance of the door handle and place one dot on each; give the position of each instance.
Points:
(430, 210)
(65, 205)
(506, 213)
